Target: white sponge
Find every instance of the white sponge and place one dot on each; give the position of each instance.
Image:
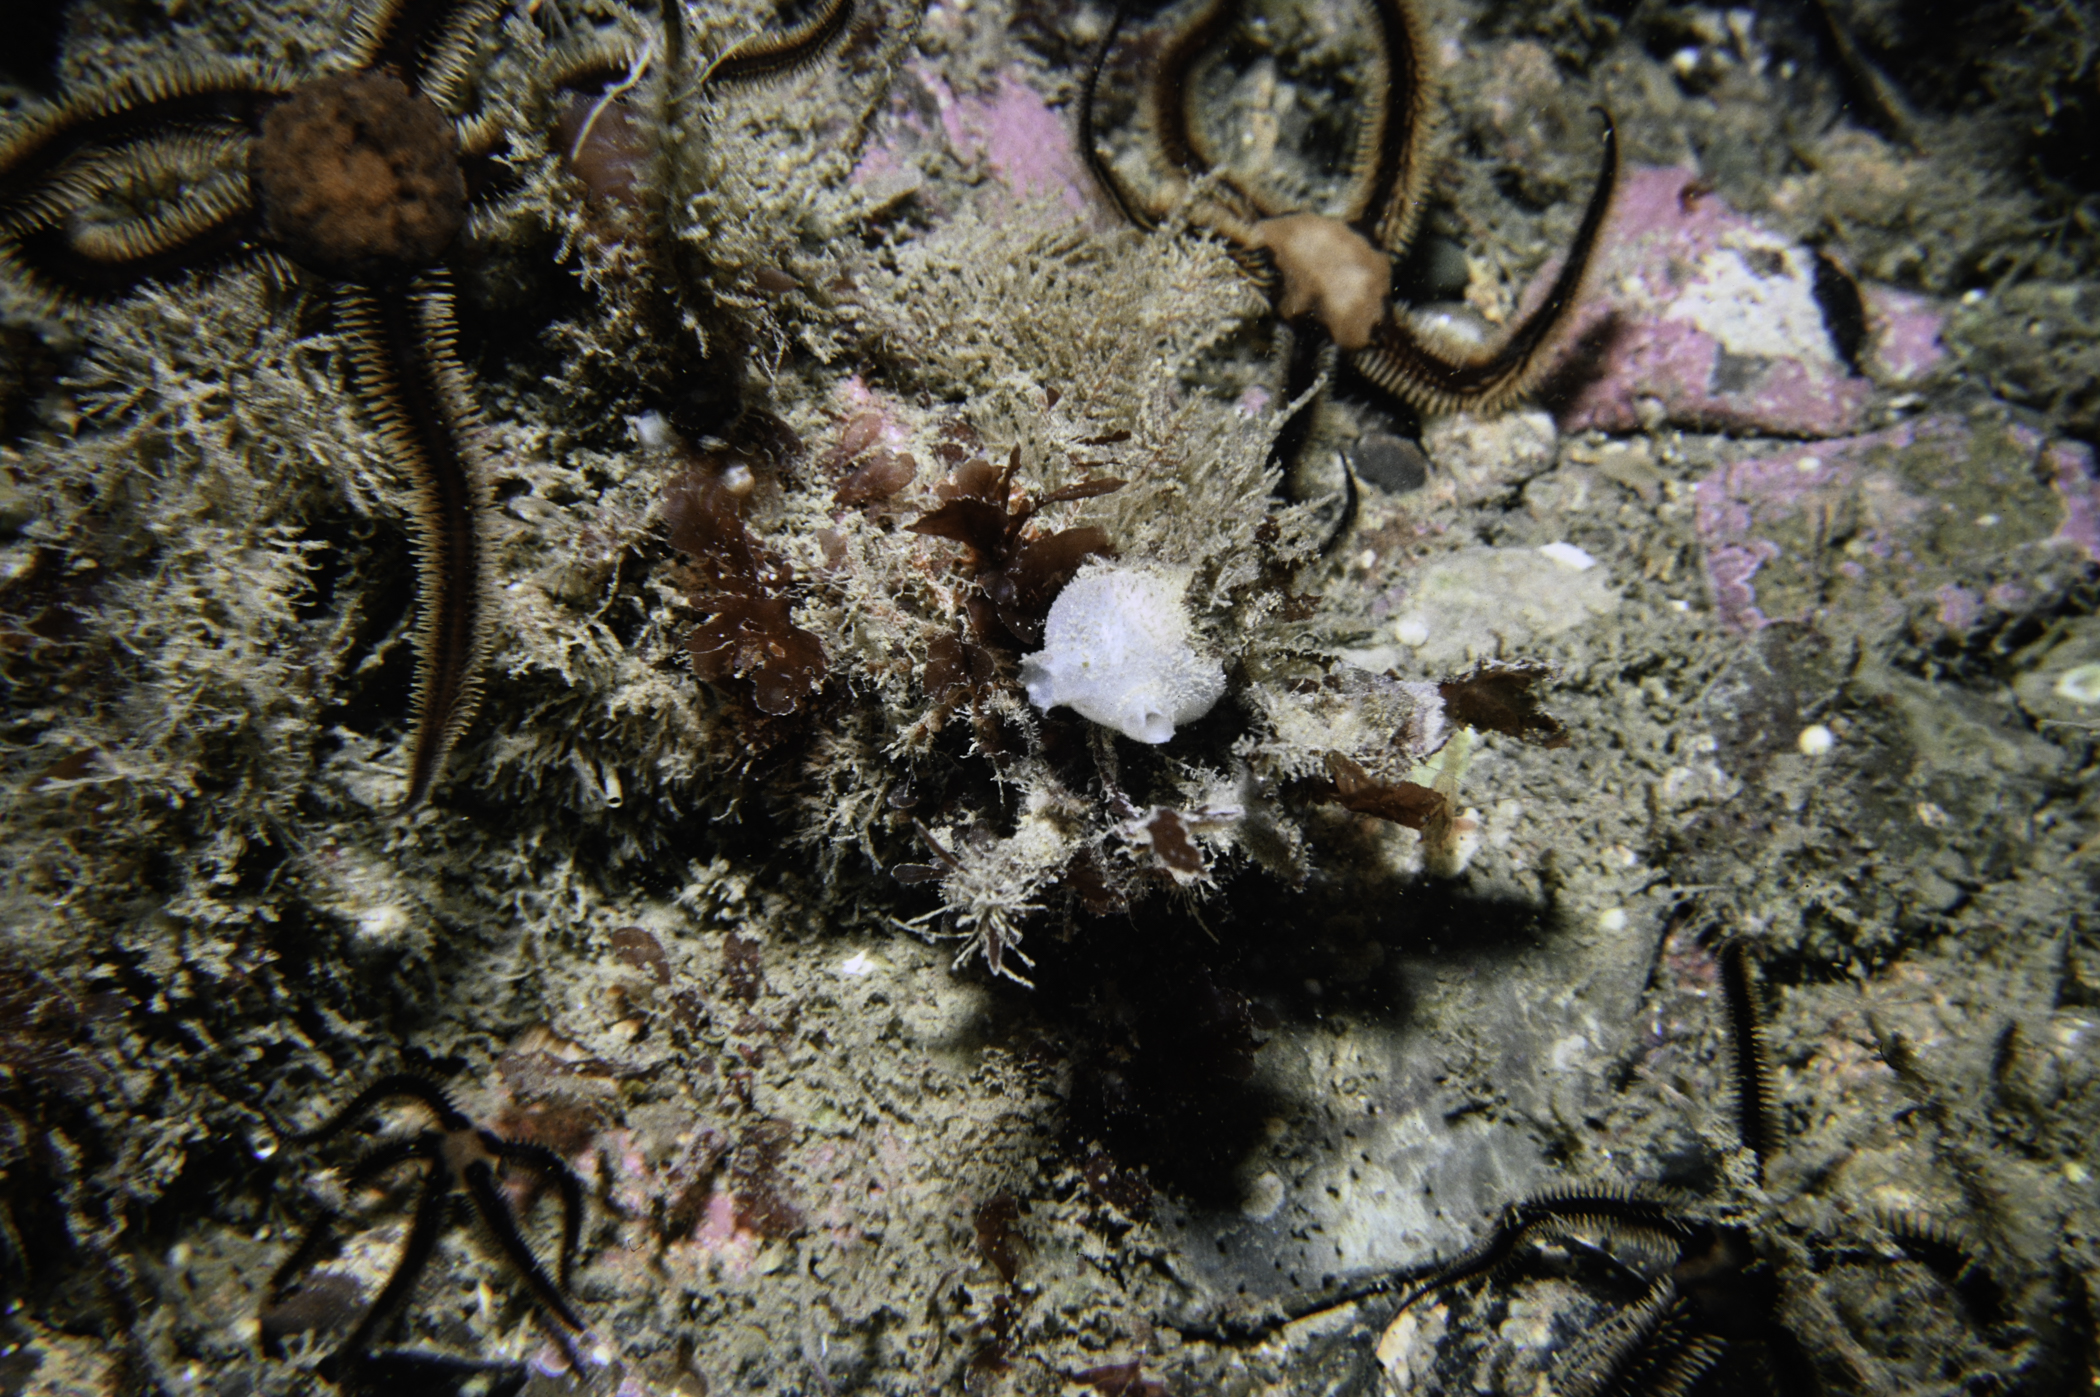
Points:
(1116, 649)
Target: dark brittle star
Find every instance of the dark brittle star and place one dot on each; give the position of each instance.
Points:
(1726, 1277)
(458, 1156)
(1330, 275)
(357, 178)
(1736, 1274)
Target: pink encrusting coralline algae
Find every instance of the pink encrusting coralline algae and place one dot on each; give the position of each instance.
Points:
(1985, 533)
(1699, 317)
(1024, 143)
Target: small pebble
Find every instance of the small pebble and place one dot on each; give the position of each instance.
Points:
(1394, 464)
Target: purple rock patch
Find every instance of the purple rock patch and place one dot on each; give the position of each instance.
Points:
(1941, 510)
(1701, 318)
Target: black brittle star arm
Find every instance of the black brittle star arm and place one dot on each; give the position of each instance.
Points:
(455, 1152)
(1163, 116)
(1436, 380)
(478, 1176)
(760, 56)
(321, 1231)
(786, 51)
(406, 373)
(1382, 194)
(427, 46)
(1546, 1216)
(178, 123)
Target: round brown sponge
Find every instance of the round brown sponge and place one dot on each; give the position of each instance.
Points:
(359, 178)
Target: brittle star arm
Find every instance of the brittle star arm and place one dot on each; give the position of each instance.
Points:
(406, 372)
(1753, 1066)
(1388, 167)
(778, 54)
(1395, 118)
(394, 1084)
(423, 1233)
(1163, 114)
(1433, 380)
(379, 1161)
(429, 46)
(187, 121)
(1089, 96)
(479, 1179)
(1391, 168)
(1537, 1218)
(550, 1165)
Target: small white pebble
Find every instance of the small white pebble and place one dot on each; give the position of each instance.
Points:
(384, 924)
(651, 430)
(1568, 556)
(1986, 521)
(1264, 1198)
(1411, 630)
(1809, 465)
(857, 965)
(1815, 740)
(1931, 816)
(2074, 1172)
(2080, 685)
(1612, 919)
(1973, 297)
(738, 480)
(1367, 559)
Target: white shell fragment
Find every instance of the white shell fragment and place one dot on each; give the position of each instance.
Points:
(1116, 649)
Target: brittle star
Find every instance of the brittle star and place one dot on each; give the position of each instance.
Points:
(1683, 1282)
(458, 1156)
(1739, 1273)
(356, 178)
(1330, 274)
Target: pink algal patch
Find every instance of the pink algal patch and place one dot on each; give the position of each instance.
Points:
(1023, 140)
(1745, 500)
(1960, 607)
(1906, 333)
(1024, 143)
(1909, 491)
(2075, 487)
(1704, 318)
(871, 415)
(719, 1234)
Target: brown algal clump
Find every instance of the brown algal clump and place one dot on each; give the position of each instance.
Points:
(359, 178)
(1017, 576)
(748, 643)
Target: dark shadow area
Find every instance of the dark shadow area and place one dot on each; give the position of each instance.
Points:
(1163, 1014)
(33, 29)
(1579, 365)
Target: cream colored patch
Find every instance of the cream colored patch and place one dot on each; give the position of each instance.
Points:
(1330, 270)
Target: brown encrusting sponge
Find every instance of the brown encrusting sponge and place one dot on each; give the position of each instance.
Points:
(359, 178)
